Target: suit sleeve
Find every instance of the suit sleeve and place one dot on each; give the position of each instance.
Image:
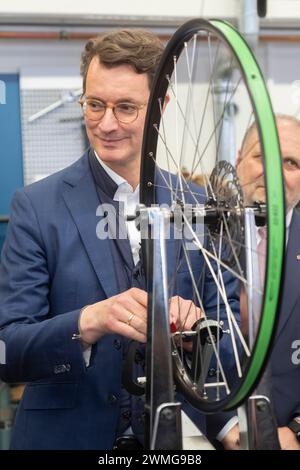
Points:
(216, 423)
(37, 342)
(210, 301)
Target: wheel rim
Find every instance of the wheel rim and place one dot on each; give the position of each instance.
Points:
(219, 37)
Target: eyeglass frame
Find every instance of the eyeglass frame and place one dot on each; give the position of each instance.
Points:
(112, 106)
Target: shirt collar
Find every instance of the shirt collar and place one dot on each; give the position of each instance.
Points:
(123, 185)
(288, 218)
(113, 175)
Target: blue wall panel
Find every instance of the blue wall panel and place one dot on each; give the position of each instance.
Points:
(11, 167)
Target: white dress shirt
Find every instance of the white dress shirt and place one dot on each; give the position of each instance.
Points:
(130, 199)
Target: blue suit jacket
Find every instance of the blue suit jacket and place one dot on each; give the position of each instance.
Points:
(52, 265)
(285, 358)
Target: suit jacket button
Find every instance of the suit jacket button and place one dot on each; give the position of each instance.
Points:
(60, 369)
(112, 399)
(117, 344)
(211, 372)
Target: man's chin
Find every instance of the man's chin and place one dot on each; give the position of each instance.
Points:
(110, 156)
(260, 196)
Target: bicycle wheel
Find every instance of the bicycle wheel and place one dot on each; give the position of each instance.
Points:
(206, 95)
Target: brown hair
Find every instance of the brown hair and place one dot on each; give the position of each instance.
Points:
(136, 47)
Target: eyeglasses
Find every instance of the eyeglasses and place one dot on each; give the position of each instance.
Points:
(95, 110)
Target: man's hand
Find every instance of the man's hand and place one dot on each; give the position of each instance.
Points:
(231, 441)
(184, 313)
(287, 439)
(124, 314)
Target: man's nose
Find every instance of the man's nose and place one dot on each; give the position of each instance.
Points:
(109, 122)
(262, 172)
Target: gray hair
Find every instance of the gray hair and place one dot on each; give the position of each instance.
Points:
(278, 117)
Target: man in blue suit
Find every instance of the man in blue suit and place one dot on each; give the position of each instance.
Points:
(285, 357)
(71, 296)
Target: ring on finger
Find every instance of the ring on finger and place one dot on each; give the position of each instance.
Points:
(130, 318)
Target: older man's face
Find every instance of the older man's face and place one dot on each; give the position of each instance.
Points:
(250, 167)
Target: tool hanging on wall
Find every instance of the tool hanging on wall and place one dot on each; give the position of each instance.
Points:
(66, 97)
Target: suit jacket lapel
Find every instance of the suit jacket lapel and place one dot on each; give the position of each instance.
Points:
(121, 240)
(82, 201)
(290, 291)
(106, 189)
